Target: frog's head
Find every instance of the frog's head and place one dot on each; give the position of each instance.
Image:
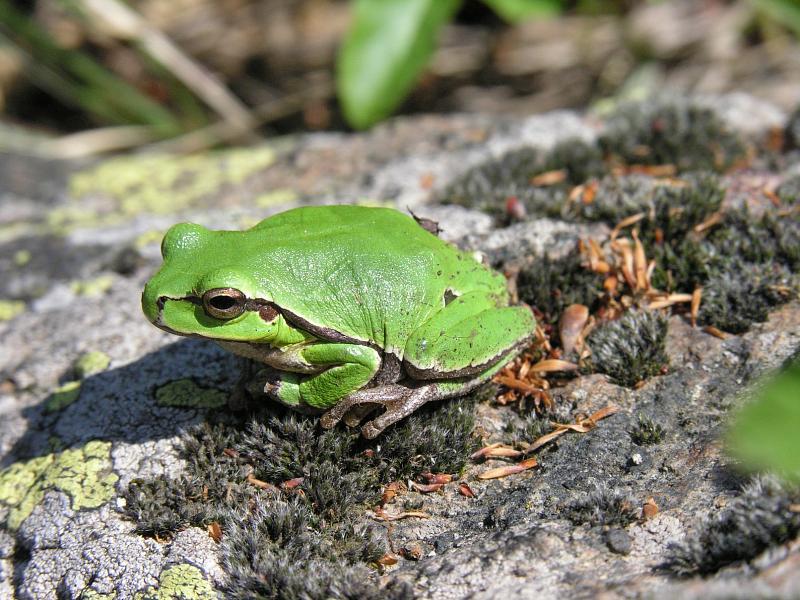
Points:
(203, 290)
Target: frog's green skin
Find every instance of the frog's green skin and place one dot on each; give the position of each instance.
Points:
(352, 307)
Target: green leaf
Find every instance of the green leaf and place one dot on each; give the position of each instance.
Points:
(516, 11)
(388, 45)
(782, 11)
(766, 434)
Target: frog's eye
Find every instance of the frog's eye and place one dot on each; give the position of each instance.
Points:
(224, 303)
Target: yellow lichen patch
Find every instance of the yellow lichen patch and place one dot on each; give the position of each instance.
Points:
(84, 474)
(153, 236)
(186, 393)
(92, 287)
(10, 309)
(22, 258)
(279, 196)
(163, 184)
(63, 396)
(91, 363)
(179, 582)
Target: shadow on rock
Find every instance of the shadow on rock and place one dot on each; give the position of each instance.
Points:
(149, 399)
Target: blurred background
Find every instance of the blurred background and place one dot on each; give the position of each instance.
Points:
(83, 77)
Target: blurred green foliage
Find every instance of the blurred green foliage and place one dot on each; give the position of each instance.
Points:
(766, 434)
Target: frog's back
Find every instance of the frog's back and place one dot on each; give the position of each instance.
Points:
(372, 274)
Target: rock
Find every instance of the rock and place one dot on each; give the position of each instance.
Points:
(91, 235)
(619, 541)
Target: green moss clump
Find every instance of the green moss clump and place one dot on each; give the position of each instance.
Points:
(676, 133)
(550, 285)
(630, 349)
(602, 506)
(490, 185)
(758, 519)
(647, 432)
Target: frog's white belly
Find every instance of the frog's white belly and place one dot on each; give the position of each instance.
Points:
(274, 357)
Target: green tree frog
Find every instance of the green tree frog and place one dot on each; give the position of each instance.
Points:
(351, 307)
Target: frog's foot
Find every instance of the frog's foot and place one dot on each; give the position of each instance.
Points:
(398, 400)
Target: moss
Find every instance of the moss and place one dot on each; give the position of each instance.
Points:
(63, 396)
(789, 190)
(733, 300)
(792, 131)
(490, 185)
(185, 393)
(630, 349)
(10, 309)
(179, 582)
(550, 285)
(647, 432)
(308, 540)
(675, 133)
(84, 474)
(602, 507)
(760, 518)
(670, 208)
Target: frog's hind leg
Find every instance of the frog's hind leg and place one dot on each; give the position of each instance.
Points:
(400, 401)
(466, 337)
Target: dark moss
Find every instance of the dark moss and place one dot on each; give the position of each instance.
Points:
(677, 133)
(792, 131)
(615, 198)
(161, 506)
(647, 432)
(279, 548)
(631, 348)
(489, 186)
(736, 298)
(308, 540)
(550, 285)
(603, 506)
(758, 519)
(789, 190)
(671, 209)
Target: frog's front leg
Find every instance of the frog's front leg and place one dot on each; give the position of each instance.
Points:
(347, 368)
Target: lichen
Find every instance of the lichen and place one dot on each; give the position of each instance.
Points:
(84, 474)
(179, 582)
(185, 393)
(96, 286)
(10, 309)
(63, 396)
(91, 363)
(161, 183)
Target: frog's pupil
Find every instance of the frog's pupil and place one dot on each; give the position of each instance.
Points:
(222, 302)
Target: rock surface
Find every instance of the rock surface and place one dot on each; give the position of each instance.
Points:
(77, 242)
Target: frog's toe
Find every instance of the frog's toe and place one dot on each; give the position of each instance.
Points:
(355, 415)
